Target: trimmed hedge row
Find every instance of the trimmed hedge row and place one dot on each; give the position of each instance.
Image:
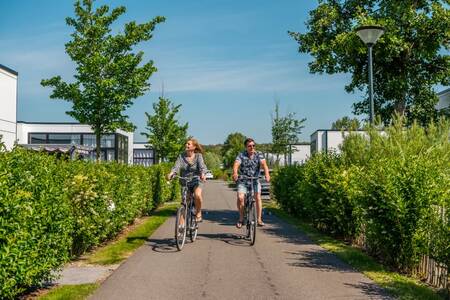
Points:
(390, 192)
(52, 210)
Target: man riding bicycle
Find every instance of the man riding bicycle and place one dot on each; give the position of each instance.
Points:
(249, 163)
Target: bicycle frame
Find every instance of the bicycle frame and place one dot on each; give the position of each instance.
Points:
(250, 208)
(185, 219)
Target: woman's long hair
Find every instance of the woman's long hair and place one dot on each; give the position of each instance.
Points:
(198, 147)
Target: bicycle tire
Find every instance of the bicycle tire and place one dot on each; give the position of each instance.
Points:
(252, 223)
(193, 230)
(180, 230)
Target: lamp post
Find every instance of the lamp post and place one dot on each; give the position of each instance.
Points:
(369, 35)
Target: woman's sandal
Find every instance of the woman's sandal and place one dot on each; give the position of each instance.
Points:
(198, 219)
(261, 224)
(239, 224)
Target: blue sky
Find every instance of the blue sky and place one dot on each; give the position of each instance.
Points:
(225, 61)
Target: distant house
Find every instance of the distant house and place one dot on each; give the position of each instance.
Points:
(8, 105)
(115, 146)
(143, 154)
(329, 140)
(444, 100)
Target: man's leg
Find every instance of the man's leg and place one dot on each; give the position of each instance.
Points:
(258, 207)
(240, 205)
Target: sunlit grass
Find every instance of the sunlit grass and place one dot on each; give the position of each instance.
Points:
(70, 292)
(122, 248)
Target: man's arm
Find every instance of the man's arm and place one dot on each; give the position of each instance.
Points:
(266, 170)
(236, 165)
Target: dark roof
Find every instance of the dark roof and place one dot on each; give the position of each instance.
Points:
(62, 123)
(8, 70)
(444, 92)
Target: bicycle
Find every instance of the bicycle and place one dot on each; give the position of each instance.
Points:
(186, 213)
(250, 209)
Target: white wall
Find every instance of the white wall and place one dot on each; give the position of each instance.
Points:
(300, 154)
(8, 106)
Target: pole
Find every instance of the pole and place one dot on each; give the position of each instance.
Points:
(372, 113)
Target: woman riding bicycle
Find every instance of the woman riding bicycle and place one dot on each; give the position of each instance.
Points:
(190, 163)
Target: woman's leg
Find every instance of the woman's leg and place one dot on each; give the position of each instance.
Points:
(198, 202)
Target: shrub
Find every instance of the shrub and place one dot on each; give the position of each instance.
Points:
(392, 188)
(52, 210)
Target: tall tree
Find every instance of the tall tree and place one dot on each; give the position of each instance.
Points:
(164, 132)
(108, 74)
(285, 132)
(345, 123)
(231, 148)
(408, 59)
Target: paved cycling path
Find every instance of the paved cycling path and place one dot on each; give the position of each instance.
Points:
(283, 264)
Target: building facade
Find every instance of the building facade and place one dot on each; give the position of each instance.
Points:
(444, 100)
(143, 154)
(116, 146)
(8, 105)
(327, 140)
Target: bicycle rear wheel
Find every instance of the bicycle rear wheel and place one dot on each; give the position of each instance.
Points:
(180, 227)
(252, 223)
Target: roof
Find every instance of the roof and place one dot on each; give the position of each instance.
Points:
(5, 68)
(443, 92)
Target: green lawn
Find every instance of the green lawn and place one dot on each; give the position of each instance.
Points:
(401, 286)
(70, 292)
(122, 248)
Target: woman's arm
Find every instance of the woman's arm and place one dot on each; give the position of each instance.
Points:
(202, 165)
(176, 168)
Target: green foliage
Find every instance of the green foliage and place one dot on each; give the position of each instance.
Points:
(165, 134)
(109, 75)
(346, 123)
(231, 148)
(51, 210)
(408, 58)
(392, 189)
(285, 131)
(2, 144)
(212, 160)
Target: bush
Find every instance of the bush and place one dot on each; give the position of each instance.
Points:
(393, 188)
(52, 210)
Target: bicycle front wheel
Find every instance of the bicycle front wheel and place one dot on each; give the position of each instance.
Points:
(252, 223)
(180, 227)
(193, 228)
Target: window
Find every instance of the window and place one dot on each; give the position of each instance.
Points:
(89, 140)
(58, 138)
(107, 141)
(38, 138)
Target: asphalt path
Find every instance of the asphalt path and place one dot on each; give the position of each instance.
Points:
(221, 264)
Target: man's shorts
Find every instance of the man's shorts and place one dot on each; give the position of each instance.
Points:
(242, 187)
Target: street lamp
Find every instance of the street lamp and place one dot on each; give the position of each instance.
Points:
(369, 35)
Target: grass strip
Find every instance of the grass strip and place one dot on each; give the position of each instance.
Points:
(122, 248)
(398, 285)
(70, 292)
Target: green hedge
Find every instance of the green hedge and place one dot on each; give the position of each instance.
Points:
(392, 190)
(52, 210)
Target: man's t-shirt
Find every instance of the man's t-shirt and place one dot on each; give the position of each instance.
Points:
(250, 166)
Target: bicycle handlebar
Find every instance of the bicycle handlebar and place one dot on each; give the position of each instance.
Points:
(185, 178)
(247, 177)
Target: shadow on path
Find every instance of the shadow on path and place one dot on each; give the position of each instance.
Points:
(163, 245)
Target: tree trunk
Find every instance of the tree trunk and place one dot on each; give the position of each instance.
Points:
(97, 145)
